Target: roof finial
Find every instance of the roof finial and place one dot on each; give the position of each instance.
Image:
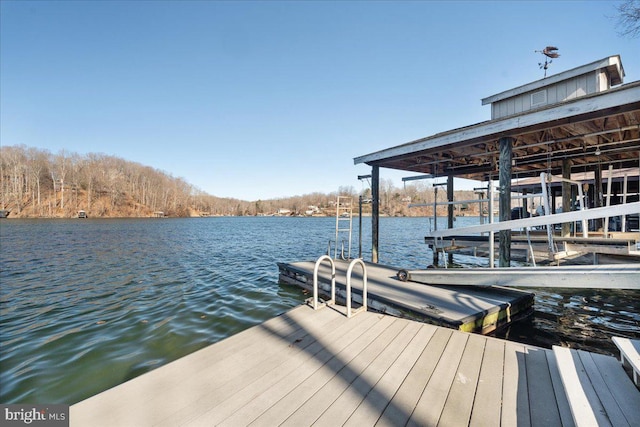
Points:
(548, 52)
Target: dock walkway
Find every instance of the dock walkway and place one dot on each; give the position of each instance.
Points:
(320, 368)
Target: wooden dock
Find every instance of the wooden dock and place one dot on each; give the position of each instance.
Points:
(320, 368)
(467, 308)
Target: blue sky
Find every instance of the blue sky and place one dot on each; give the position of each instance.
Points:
(258, 100)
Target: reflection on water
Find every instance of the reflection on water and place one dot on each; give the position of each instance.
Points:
(86, 305)
(586, 320)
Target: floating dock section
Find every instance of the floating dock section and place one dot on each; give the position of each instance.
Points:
(466, 308)
(320, 368)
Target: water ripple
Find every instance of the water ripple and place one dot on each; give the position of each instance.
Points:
(97, 302)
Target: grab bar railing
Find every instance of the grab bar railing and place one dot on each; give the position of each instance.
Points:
(351, 312)
(315, 282)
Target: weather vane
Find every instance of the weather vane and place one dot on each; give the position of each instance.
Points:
(550, 52)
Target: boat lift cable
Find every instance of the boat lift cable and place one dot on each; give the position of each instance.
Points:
(525, 214)
(546, 204)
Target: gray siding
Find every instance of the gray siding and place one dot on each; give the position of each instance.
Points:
(565, 90)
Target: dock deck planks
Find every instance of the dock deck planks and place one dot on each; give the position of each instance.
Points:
(630, 355)
(598, 390)
(309, 367)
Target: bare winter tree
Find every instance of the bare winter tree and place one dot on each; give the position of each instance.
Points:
(32, 179)
(36, 164)
(61, 167)
(629, 18)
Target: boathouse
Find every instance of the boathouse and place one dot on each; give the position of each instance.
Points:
(583, 120)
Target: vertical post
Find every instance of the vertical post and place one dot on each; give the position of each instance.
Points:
(450, 209)
(597, 194)
(506, 156)
(492, 249)
(583, 205)
(624, 201)
(435, 208)
(606, 219)
(566, 195)
(436, 256)
(481, 204)
(360, 226)
(375, 211)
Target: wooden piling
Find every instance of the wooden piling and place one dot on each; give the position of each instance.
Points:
(506, 155)
(375, 212)
(450, 209)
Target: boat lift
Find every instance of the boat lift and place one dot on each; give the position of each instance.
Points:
(615, 276)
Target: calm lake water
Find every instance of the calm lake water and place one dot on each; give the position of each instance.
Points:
(88, 304)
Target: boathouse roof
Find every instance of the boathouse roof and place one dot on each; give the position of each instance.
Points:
(595, 77)
(595, 125)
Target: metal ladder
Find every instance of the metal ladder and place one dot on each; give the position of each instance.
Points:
(344, 213)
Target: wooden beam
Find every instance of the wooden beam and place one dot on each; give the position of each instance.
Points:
(450, 209)
(597, 192)
(375, 212)
(506, 156)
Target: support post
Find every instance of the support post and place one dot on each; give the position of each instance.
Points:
(597, 194)
(451, 207)
(435, 208)
(566, 195)
(506, 156)
(375, 211)
(606, 219)
(450, 210)
(436, 256)
(624, 200)
(360, 226)
(492, 248)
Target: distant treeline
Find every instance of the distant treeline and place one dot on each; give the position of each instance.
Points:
(36, 183)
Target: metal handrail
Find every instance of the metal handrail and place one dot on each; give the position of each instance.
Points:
(315, 282)
(350, 312)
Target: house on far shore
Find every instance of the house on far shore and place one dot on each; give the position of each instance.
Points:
(312, 210)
